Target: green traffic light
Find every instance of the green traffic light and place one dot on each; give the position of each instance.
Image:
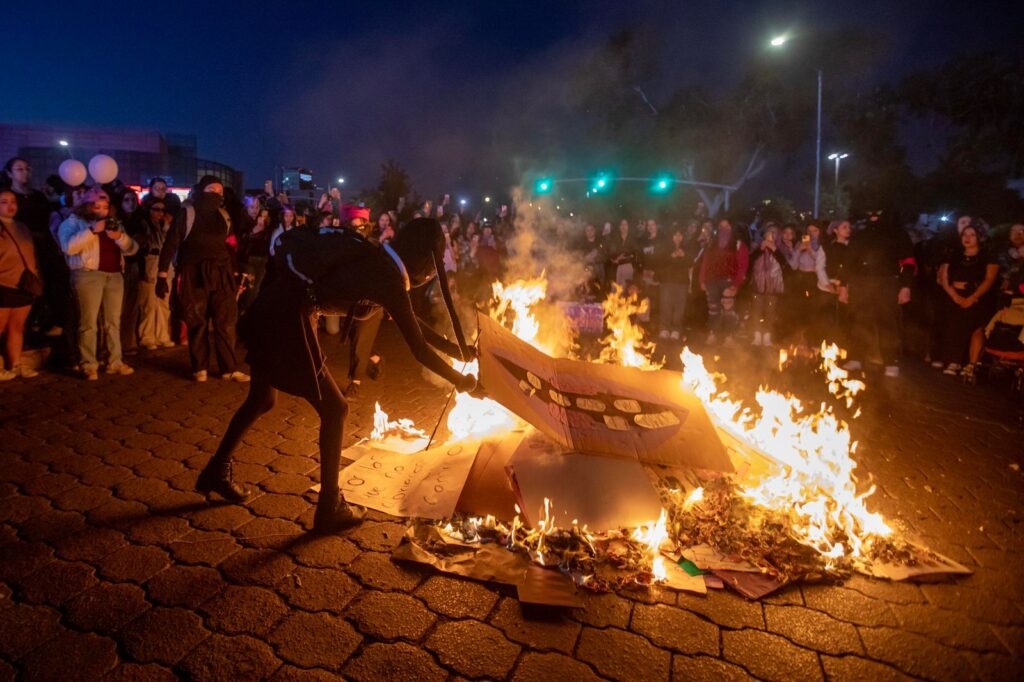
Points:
(661, 185)
(544, 185)
(601, 182)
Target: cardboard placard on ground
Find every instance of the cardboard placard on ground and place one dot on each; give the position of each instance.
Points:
(601, 493)
(605, 409)
(390, 443)
(425, 484)
(488, 489)
(930, 566)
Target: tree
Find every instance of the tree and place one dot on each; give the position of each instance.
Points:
(394, 184)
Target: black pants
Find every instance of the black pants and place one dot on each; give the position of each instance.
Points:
(330, 406)
(876, 314)
(364, 333)
(130, 308)
(208, 295)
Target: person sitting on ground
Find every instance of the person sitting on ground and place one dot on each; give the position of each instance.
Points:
(17, 264)
(328, 271)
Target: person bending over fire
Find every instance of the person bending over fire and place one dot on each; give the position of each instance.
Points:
(332, 271)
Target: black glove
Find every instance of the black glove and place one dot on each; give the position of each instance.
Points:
(162, 287)
(466, 384)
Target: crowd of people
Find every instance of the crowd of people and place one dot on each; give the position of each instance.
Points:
(100, 274)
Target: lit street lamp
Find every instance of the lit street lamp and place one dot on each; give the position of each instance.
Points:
(779, 41)
(63, 143)
(341, 181)
(837, 158)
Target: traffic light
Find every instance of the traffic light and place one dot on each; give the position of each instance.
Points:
(601, 183)
(661, 184)
(544, 185)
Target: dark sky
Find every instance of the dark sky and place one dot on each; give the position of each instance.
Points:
(341, 86)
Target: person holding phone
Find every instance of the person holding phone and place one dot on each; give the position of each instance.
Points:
(95, 246)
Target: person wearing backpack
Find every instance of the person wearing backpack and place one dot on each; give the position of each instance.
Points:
(206, 279)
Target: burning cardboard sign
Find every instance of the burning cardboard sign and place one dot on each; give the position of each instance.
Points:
(624, 412)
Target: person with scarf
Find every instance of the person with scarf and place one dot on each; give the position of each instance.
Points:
(722, 272)
(333, 271)
(206, 279)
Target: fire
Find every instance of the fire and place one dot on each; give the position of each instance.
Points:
(625, 343)
(654, 536)
(478, 417)
(815, 479)
(383, 426)
(519, 299)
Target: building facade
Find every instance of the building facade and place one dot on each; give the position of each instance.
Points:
(140, 154)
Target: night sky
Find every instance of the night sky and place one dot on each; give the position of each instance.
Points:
(341, 86)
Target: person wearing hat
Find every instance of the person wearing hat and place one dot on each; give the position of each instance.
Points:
(207, 279)
(95, 247)
(365, 323)
(327, 271)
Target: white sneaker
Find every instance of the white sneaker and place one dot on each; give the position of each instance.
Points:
(937, 364)
(675, 336)
(120, 368)
(852, 365)
(757, 339)
(952, 369)
(25, 372)
(150, 346)
(892, 371)
(663, 334)
(167, 344)
(91, 374)
(200, 376)
(240, 377)
(7, 374)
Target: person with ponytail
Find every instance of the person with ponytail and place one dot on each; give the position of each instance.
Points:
(332, 272)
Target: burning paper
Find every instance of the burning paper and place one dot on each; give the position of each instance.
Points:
(425, 484)
(645, 416)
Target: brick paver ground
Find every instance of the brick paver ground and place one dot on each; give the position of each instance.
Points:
(111, 565)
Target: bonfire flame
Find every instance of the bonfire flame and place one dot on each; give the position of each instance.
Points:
(384, 427)
(815, 483)
(625, 343)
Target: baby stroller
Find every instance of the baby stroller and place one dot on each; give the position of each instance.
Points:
(1004, 344)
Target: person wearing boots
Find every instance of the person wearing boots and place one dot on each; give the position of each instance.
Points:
(326, 271)
(207, 279)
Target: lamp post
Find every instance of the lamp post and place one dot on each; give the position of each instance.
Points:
(779, 41)
(837, 157)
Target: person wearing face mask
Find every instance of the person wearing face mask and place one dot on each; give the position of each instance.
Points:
(328, 272)
(95, 247)
(158, 192)
(206, 279)
(155, 312)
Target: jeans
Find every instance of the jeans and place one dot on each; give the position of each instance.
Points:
(673, 305)
(95, 290)
(764, 311)
(721, 308)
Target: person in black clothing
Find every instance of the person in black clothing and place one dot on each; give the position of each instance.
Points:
(671, 262)
(207, 279)
(882, 268)
(321, 272)
(837, 264)
(968, 276)
(158, 192)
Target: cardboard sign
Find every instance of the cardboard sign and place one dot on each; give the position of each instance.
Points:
(425, 484)
(601, 493)
(488, 489)
(605, 409)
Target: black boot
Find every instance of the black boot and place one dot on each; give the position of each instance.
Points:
(216, 478)
(331, 518)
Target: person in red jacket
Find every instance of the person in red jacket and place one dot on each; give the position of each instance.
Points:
(722, 271)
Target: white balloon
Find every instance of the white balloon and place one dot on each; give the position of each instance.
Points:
(72, 172)
(102, 168)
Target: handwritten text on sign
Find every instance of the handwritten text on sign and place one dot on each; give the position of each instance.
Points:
(425, 484)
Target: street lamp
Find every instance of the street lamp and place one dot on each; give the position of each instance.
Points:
(837, 157)
(341, 181)
(63, 143)
(462, 202)
(487, 200)
(779, 41)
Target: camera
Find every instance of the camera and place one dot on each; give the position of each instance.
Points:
(113, 224)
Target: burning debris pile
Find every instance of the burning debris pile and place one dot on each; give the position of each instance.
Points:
(618, 473)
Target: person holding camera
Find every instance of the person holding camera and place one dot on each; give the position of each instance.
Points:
(95, 244)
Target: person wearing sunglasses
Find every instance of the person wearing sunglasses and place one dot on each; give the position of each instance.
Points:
(155, 312)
